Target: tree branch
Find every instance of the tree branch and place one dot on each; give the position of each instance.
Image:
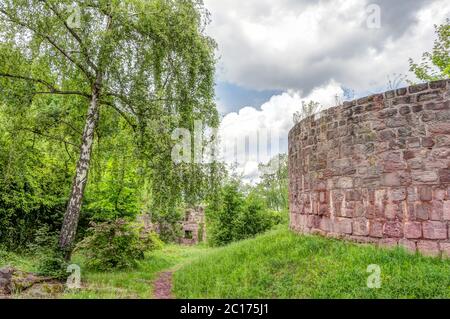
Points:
(74, 34)
(47, 136)
(52, 42)
(121, 113)
(52, 89)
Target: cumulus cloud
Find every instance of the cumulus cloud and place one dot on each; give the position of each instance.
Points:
(301, 44)
(255, 135)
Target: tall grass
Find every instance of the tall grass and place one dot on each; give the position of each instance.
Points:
(285, 265)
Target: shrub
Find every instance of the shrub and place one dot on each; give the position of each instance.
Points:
(51, 259)
(52, 264)
(114, 244)
(239, 217)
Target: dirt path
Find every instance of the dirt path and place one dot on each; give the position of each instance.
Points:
(162, 286)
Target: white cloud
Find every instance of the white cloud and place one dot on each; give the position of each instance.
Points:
(274, 119)
(301, 44)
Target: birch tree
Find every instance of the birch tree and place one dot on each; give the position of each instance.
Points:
(149, 60)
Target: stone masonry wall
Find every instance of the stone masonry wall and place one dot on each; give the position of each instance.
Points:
(376, 170)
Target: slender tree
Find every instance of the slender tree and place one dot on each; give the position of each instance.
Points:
(149, 60)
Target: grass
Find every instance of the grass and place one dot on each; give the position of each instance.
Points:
(284, 265)
(278, 264)
(134, 283)
(22, 262)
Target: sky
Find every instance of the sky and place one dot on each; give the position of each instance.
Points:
(274, 54)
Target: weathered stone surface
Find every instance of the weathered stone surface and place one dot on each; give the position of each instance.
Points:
(343, 226)
(5, 280)
(27, 285)
(435, 230)
(429, 248)
(413, 230)
(383, 166)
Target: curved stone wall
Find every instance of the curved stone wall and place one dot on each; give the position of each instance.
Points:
(376, 170)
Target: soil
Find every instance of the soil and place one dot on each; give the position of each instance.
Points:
(162, 287)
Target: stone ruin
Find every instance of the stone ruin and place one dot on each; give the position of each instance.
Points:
(376, 170)
(193, 227)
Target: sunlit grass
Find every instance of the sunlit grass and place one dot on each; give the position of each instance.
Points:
(133, 283)
(281, 264)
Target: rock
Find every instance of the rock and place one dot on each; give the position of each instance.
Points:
(5, 280)
(14, 281)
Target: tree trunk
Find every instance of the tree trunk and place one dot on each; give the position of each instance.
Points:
(72, 214)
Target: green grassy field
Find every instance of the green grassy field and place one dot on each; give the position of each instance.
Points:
(279, 264)
(284, 265)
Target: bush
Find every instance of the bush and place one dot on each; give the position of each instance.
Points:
(254, 218)
(46, 250)
(52, 264)
(239, 217)
(114, 245)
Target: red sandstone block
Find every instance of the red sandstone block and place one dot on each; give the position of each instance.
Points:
(427, 142)
(413, 230)
(323, 197)
(428, 248)
(426, 193)
(423, 211)
(440, 194)
(439, 127)
(424, 176)
(386, 135)
(393, 229)
(434, 230)
(444, 174)
(443, 141)
(344, 182)
(343, 226)
(437, 211)
(446, 214)
(353, 195)
(391, 179)
(376, 229)
(391, 211)
(397, 194)
(361, 227)
(412, 195)
(393, 161)
(409, 245)
(326, 225)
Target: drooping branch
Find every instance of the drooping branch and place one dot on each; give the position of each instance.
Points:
(46, 37)
(74, 35)
(52, 88)
(121, 113)
(56, 138)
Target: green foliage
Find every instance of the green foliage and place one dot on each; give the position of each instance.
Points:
(53, 264)
(284, 265)
(273, 186)
(238, 217)
(435, 65)
(50, 259)
(157, 67)
(115, 245)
